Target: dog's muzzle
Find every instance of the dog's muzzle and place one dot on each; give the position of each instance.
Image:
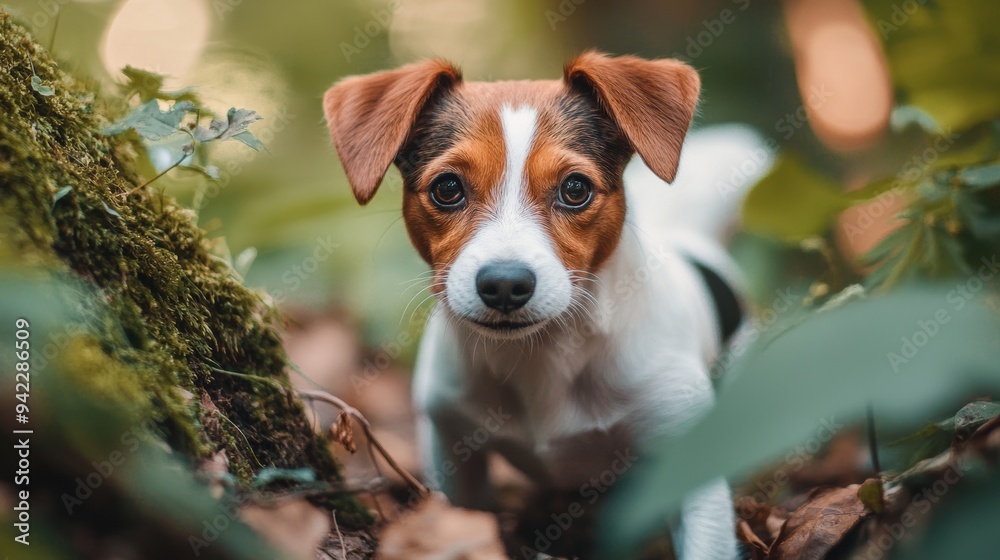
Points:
(505, 286)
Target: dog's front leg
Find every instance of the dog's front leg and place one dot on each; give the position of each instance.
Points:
(706, 529)
(707, 526)
(452, 465)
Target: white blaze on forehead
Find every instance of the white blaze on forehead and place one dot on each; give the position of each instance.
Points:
(512, 232)
(518, 133)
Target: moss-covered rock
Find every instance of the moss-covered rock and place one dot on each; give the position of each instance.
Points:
(191, 348)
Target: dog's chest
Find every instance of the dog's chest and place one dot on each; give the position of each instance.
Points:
(561, 421)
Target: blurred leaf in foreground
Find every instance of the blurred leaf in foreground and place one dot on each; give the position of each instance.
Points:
(912, 352)
(793, 202)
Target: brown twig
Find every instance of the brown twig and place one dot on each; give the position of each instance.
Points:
(343, 548)
(161, 174)
(372, 440)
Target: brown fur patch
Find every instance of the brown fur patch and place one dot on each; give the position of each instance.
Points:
(429, 122)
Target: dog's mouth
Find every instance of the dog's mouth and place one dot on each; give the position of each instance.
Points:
(506, 328)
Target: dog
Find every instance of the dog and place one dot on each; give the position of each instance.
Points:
(582, 301)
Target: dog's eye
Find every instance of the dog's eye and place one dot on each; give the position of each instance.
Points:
(575, 192)
(447, 191)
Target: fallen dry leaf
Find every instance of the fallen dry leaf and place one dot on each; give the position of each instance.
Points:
(438, 531)
(343, 433)
(816, 527)
(294, 527)
(758, 548)
(775, 521)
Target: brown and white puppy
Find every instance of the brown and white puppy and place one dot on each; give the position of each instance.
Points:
(580, 304)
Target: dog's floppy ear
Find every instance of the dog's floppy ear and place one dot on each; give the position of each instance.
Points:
(371, 116)
(651, 101)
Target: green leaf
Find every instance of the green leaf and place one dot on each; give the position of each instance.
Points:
(149, 85)
(244, 261)
(943, 58)
(870, 494)
(238, 120)
(61, 193)
(905, 116)
(250, 140)
(982, 220)
(793, 202)
(813, 380)
(974, 415)
(234, 127)
(111, 211)
(215, 128)
(271, 474)
(150, 122)
(981, 177)
(962, 525)
(42, 89)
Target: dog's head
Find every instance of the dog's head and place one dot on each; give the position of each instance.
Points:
(512, 190)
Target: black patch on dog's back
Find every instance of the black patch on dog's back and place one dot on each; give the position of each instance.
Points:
(728, 308)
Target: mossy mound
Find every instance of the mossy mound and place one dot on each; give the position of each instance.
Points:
(177, 318)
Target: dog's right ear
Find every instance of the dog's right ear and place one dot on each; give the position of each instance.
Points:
(370, 117)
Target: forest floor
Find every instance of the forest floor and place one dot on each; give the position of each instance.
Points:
(822, 501)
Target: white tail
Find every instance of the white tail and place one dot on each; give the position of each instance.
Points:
(718, 166)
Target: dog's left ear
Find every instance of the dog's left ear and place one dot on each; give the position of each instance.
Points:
(651, 101)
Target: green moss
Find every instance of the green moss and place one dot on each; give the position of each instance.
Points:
(174, 316)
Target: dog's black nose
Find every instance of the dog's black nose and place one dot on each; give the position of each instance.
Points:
(505, 286)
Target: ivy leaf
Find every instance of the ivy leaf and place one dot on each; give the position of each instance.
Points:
(248, 139)
(981, 177)
(149, 85)
(234, 127)
(42, 89)
(150, 122)
(213, 131)
(239, 120)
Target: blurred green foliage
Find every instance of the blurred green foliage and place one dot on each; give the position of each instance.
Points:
(914, 350)
(314, 245)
